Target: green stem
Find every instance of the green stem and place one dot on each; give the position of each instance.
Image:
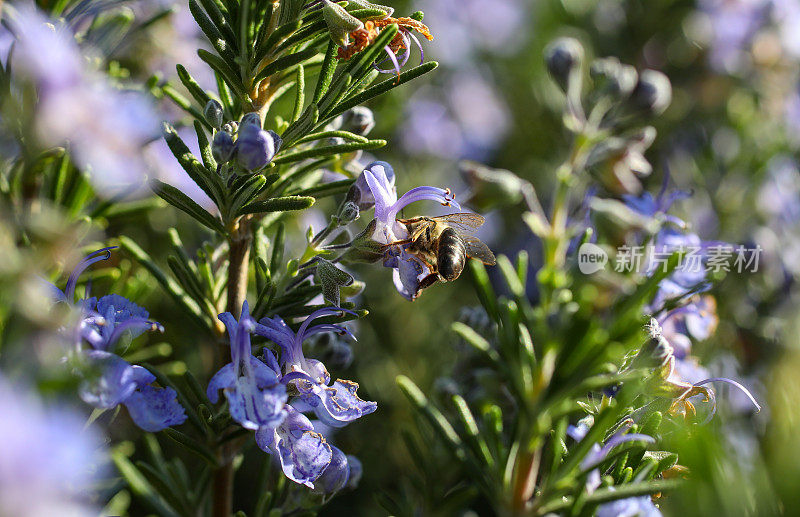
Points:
(238, 257)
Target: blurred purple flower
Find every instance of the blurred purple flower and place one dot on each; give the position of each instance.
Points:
(733, 25)
(48, 460)
(467, 28)
(468, 123)
(104, 127)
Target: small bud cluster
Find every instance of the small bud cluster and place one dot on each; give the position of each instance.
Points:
(253, 149)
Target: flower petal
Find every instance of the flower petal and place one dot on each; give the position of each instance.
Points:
(110, 381)
(336, 475)
(304, 454)
(407, 275)
(154, 409)
(339, 404)
(253, 407)
(445, 197)
(224, 378)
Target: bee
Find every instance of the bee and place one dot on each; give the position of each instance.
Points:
(444, 243)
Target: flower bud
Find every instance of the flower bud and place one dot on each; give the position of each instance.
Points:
(563, 58)
(222, 147)
(653, 92)
(614, 77)
(340, 23)
(360, 192)
(213, 114)
(255, 147)
(358, 120)
(251, 118)
(348, 212)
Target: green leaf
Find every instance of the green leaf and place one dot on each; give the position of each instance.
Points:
(140, 486)
(206, 179)
(183, 103)
(174, 290)
(247, 192)
(473, 434)
(329, 150)
(327, 189)
(475, 340)
(213, 34)
(205, 149)
(383, 87)
(278, 204)
(346, 135)
(192, 445)
(299, 98)
(199, 95)
(326, 72)
(302, 125)
(278, 35)
(183, 202)
(285, 62)
(221, 21)
(221, 66)
(437, 420)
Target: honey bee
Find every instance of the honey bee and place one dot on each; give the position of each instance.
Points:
(444, 243)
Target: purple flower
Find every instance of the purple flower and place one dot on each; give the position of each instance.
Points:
(105, 128)
(335, 405)
(109, 380)
(303, 453)
(630, 507)
(256, 398)
(255, 147)
(408, 271)
(48, 461)
(695, 320)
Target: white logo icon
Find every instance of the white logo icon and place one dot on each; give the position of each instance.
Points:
(591, 258)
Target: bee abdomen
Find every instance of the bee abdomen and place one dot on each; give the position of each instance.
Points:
(452, 255)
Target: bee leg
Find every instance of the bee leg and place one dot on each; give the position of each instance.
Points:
(428, 281)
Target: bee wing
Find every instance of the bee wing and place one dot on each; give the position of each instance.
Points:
(463, 221)
(478, 250)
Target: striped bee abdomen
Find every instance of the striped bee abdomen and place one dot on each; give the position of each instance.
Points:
(451, 256)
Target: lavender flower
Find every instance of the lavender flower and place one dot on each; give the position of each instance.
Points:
(255, 396)
(47, 459)
(109, 380)
(335, 405)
